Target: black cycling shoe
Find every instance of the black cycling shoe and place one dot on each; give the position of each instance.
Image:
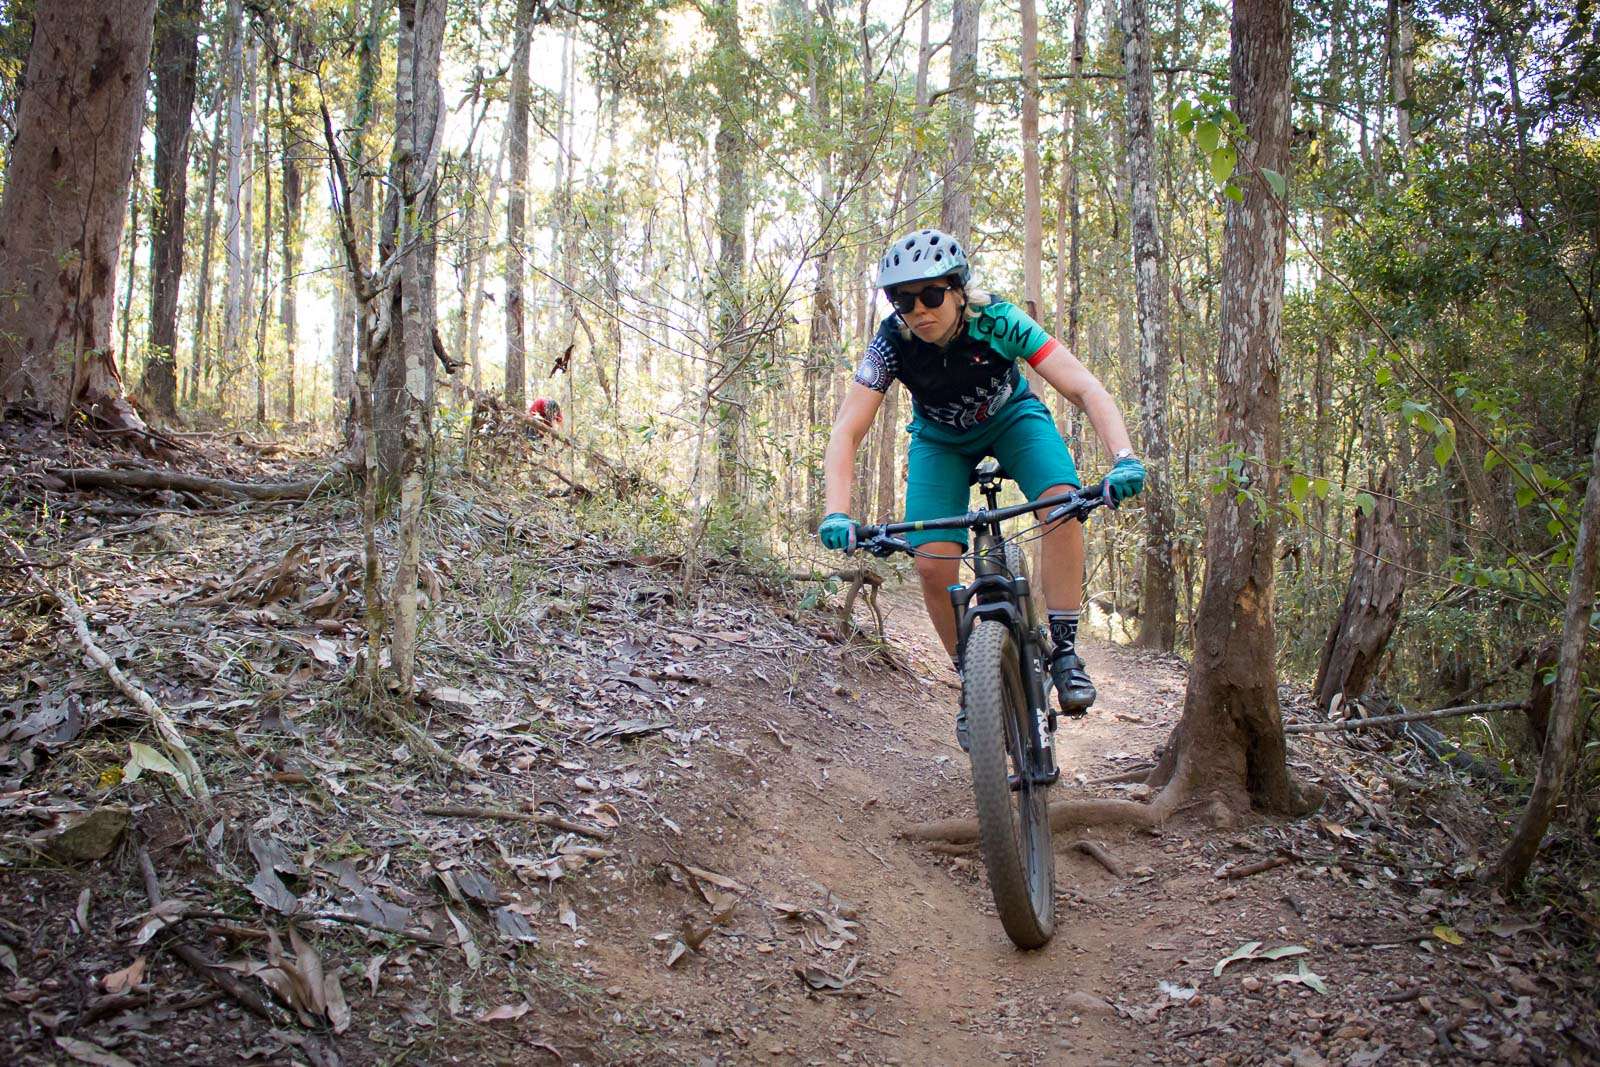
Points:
(1073, 685)
(963, 734)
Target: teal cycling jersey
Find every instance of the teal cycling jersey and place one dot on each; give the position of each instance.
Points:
(963, 384)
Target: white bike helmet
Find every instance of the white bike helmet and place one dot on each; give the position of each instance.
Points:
(923, 254)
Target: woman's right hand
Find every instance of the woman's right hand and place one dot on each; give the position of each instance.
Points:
(838, 532)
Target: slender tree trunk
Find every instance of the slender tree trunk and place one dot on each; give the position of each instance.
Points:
(1372, 602)
(418, 121)
(516, 207)
(64, 206)
(175, 61)
(1560, 750)
(475, 317)
(1158, 614)
(1229, 743)
(732, 204)
(235, 221)
(131, 276)
(293, 147)
(201, 341)
(955, 215)
(823, 343)
(264, 314)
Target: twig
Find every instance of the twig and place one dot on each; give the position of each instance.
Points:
(1235, 873)
(1410, 716)
(171, 737)
(1396, 939)
(1099, 854)
(456, 811)
(194, 959)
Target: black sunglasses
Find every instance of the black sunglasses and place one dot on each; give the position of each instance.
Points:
(931, 297)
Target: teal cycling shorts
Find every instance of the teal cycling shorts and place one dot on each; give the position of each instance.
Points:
(1022, 436)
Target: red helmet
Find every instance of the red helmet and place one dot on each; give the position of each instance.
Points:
(547, 409)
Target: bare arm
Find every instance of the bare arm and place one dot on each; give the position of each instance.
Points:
(850, 427)
(1078, 384)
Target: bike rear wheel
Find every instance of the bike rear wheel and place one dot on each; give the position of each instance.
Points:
(1013, 825)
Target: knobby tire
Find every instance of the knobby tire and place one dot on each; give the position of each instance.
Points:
(1013, 826)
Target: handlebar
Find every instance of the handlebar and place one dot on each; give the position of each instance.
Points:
(884, 540)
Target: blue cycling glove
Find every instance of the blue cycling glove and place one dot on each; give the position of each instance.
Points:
(838, 532)
(1125, 480)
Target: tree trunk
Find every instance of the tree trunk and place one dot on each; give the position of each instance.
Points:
(1032, 206)
(265, 272)
(418, 126)
(64, 206)
(1158, 613)
(1229, 742)
(1559, 754)
(175, 61)
(955, 215)
(235, 226)
(475, 317)
(293, 147)
(516, 208)
(201, 341)
(732, 390)
(1372, 602)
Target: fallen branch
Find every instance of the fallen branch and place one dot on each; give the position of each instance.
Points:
(945, 848)
(555, 822)
(1099, 854)
(101, 478)
(194, 959)
(1232, 874)
(172, 740)
(1410, 716)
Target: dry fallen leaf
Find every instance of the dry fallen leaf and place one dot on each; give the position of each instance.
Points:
(89, 1052)
(125, 979)
(505, 1013)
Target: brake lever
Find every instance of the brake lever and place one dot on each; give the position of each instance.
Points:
(884, 546)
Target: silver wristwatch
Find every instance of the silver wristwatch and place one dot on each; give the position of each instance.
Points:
(1122, 453)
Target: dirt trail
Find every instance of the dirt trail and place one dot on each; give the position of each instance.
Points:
(944, 984)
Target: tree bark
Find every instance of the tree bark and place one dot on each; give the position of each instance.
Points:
(1158, 613)
(201, 341)
(1032, 197)
(516, 208)
(1372, 602)
(175, 61)
(235, 226)
(64, 205)
(418, 126)
(955, 214)
(732, 377)
(1229, 742)
(294, 147)
(1560, 754)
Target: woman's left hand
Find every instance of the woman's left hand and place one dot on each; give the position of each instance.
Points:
(1125, 480)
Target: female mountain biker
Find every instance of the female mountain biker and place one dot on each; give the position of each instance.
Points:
(956, 349)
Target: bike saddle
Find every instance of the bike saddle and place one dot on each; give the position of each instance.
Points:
(986, 468)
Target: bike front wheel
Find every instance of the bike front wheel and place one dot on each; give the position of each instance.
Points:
(1013, 823)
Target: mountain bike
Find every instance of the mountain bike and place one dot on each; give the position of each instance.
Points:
(1005, 693)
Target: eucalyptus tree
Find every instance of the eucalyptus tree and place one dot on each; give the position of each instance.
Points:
(65, 200)
(175, 63)
(1159, 608)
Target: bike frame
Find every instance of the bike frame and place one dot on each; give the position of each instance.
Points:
(995, 593)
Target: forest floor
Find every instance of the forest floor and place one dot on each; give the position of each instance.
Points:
(671, 830)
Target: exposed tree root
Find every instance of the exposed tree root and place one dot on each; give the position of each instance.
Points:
(1064, 814)
(1099, 854)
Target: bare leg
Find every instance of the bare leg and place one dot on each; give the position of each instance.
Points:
(939, 568)
(1061, 555)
